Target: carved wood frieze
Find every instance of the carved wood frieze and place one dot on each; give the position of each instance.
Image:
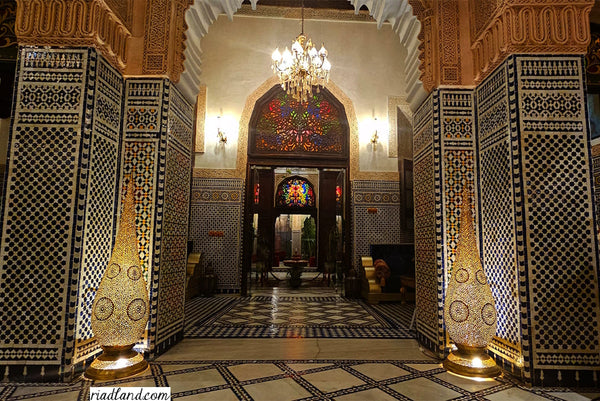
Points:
(123, 9)
(73, 23)
(440, 49)
(497, 28)
(532, 26)
(164, 42)
(7, 25)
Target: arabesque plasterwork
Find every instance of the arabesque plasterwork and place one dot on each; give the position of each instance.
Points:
(200, 120)
(164, 40)
(73, 23)
(533, 26)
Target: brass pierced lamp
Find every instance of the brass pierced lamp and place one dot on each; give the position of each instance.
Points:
(120, 309)
(469, 310)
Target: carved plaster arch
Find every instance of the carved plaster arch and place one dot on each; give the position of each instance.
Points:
(202, 14)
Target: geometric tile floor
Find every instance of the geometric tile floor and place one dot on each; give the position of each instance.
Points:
(273, 316)
(300, 368)
(315, 379)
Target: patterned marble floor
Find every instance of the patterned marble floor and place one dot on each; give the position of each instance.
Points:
(300, 368)
(295, 314)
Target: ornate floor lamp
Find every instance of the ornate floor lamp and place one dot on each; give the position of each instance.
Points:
(469, 310)
(120, 309)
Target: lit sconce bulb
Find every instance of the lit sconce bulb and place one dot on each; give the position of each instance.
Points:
(220, 133)
(375, 137)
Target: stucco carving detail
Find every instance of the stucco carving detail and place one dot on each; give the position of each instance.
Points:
(532, 26)
(165, 38)
(444, 57)
(123, 9)
(200, 119)
(73, 23)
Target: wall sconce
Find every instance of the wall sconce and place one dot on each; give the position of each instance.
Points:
(374, 137)
(221, 135)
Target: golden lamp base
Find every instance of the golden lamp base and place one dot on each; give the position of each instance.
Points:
(116, 362)
(471, 362)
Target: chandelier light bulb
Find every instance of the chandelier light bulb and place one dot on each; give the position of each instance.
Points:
(323, 51)
(301, 68)
(286, 58)
(297, 48)
(276, 56)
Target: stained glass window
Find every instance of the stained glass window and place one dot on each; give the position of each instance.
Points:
(338, 195)
(295, 192)
(286, 125)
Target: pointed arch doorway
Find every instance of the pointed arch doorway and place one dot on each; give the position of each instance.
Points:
(297, 166)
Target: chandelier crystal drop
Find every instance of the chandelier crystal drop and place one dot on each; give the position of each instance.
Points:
(301, 68)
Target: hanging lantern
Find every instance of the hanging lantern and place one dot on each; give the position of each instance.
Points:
(120, 309)
(469, 310)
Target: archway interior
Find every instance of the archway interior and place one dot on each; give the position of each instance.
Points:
(301, 226)
(296, 186)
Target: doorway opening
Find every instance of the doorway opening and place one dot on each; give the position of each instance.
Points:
(296, 213)
(298, 233)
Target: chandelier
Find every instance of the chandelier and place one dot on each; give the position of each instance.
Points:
(301, 68)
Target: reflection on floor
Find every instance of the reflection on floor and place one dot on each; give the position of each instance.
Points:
(295, 314)
(282, 368)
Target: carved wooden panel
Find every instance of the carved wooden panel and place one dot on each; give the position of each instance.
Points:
(91, 23)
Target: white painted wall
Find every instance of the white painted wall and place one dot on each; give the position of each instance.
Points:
(368, 66)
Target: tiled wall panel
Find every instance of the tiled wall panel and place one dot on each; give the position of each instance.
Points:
(498, 221)
(596, 172)
(173, 259)
(538, 233)
(59, 212)
(100, 210)
(157, 155)
(217, 205)
(444, 161)
(560, 247)
(375, 215)
(427, 222)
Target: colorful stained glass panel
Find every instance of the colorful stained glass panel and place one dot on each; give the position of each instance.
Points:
(286, 125)
(295, 192)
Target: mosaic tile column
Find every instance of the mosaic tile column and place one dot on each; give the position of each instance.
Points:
(444, 160)
(539, 237)
(216, 228)
(158, 133)
(59, 215)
